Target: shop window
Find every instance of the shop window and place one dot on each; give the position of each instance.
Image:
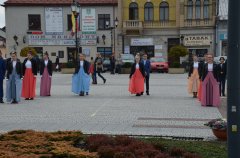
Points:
(105, 52)
(164, 11)
(53, 54)
(102, 19)
(34, 22)
(61, 54)
(190, 9)
(206, 9)
(198, 9)
(133, 11)
(148, 11)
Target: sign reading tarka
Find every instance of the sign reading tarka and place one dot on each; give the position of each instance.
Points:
(88, 20)
(141, 42)
(54, 20)
(195, 40)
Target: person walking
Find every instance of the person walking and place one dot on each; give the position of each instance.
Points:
(29, 77)
(137, 76)
(92, 71)
(222, 76)
(194, 77)
(2, 75)
(112, 63)
(57, 64)
(99, 66)
(81, 78)
(46, 75)
(210, 85)
(147, 68)
(14, 80)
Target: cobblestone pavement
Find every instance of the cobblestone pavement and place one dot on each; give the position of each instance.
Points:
(110, 109)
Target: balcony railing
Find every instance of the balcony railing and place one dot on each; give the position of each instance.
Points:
(135, 24)
(198, 22)
(132, 24)
(159, 24)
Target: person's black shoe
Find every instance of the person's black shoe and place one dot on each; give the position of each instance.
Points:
(87, 93)
(104, 81)
(2, 102)
(31, 98)
(138, 95)
(14, 102)
(27, 99)
(141, 93)
(147, 93)
(81, 94)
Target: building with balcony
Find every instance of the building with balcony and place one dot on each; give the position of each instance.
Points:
(197, 25)
(222, 28)
(154, 26)
(47, 26)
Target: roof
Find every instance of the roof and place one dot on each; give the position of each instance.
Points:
(58, 2)
(223, 10)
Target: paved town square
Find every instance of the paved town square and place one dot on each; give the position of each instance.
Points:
(110, 109)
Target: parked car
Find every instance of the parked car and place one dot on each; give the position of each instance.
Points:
(106, 65)
(159, 64)
(127, 58)
(217, 59)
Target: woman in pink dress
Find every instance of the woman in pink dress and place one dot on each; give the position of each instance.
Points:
(46, 76)
(210, 84)
(137, 75)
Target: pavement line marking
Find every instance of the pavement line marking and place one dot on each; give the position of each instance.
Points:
(100, 107)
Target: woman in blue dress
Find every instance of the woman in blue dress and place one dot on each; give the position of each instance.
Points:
(81, 77)
(14, 80)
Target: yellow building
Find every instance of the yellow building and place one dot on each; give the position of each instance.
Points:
(154, 26)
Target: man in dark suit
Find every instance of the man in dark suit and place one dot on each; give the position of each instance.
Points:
(222, 76)
(2, 76)
(147, 68)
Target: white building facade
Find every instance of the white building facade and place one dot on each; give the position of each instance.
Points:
(48, 27)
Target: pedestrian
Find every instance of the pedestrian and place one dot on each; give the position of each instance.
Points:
(81, 78)
(99, 66)
(222, 76)
(14, 80)
(92, 71)
(112, 63)
(137, 75)
(201, 67)
(2, 75)
(57, 64)
(29, 77)
(210, 85)
(118, 64)
(194, 77)
(147, 68)
(46, 75)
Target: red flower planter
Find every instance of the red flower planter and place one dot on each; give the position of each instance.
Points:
(220, 134)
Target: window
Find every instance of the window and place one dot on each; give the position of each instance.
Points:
(190, 9)
(148, 11)
(61, 54)
(102, 18)
(133, 11)
(206, 9)
(198, 9)
(34, 22)
(164, 11)
(105, 52)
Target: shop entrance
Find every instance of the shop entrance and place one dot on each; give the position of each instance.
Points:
(71, 54)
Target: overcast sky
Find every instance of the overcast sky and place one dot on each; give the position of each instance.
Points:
(2, 14)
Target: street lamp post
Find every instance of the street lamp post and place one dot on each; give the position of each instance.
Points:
(112, 28)
(233, 77)
(76, 10)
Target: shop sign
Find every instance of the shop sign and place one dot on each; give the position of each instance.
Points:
(61, 40)
(54, 20)
(200, 40)
(142, 42)
(88, 20)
